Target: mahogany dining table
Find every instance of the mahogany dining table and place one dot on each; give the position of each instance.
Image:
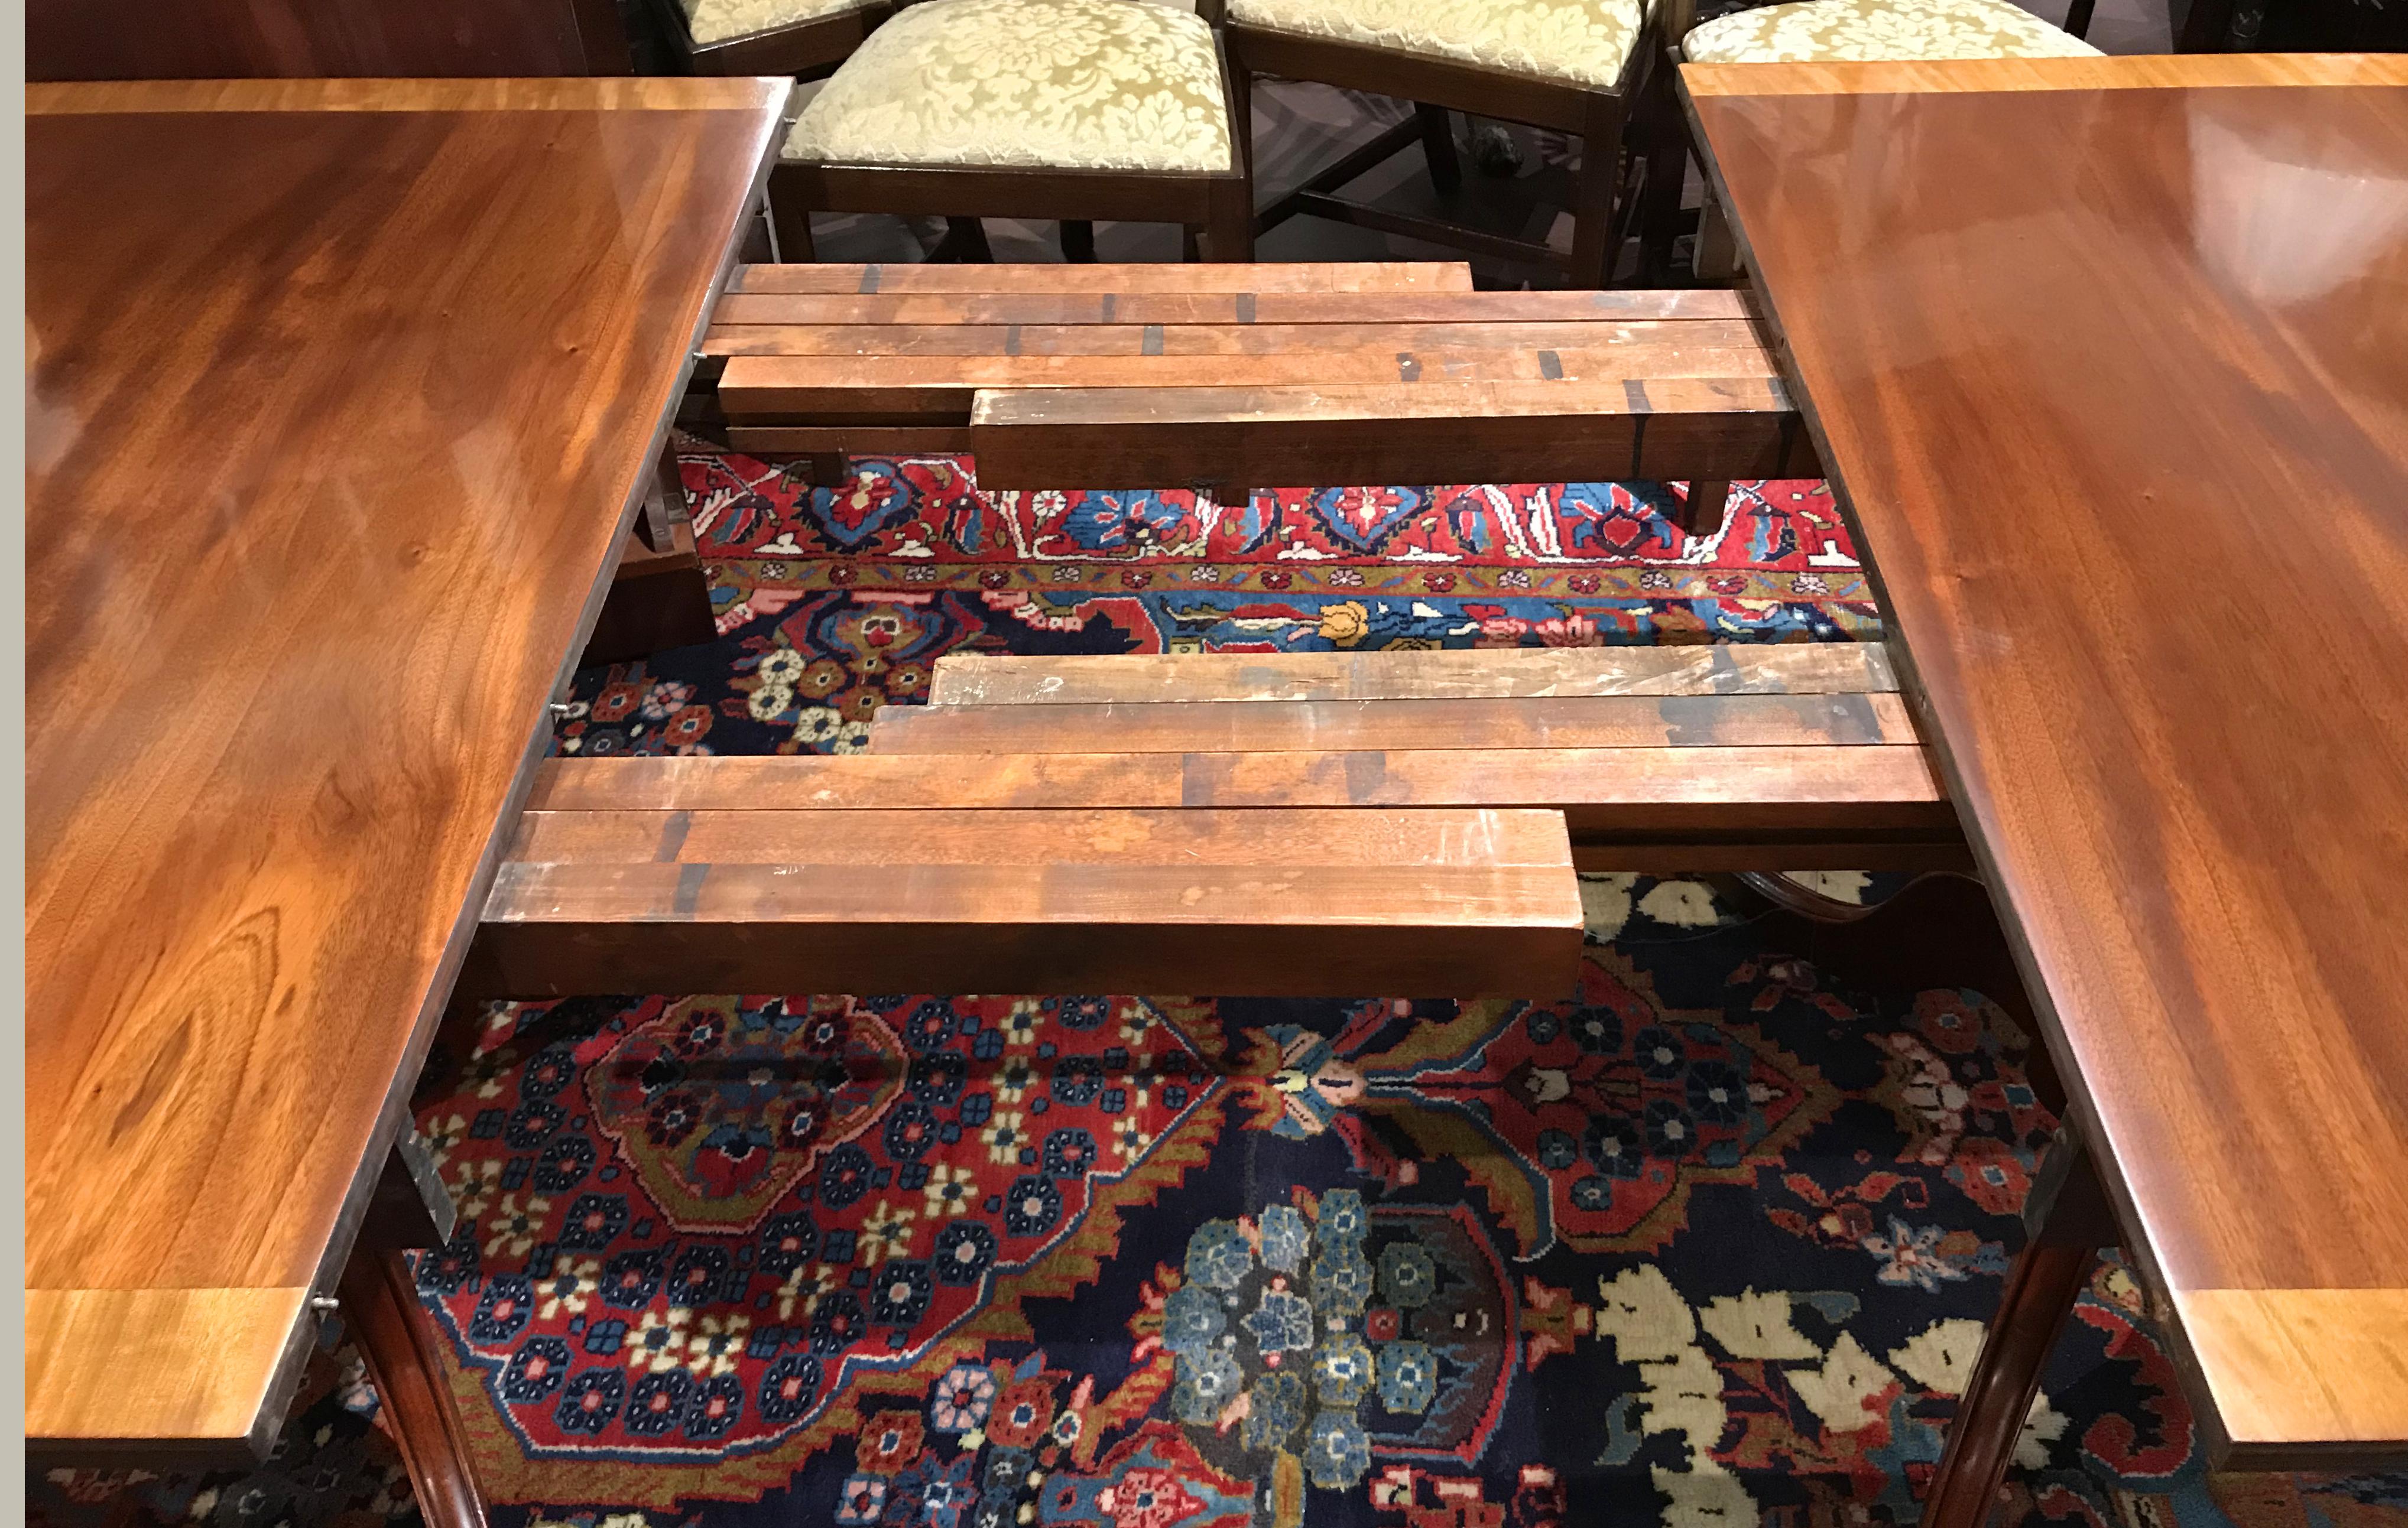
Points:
(2107, 359)
(343, 395)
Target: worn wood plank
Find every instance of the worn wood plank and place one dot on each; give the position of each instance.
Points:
(1165, 307)
(1435, 902)
(1058, 835)
(1205, 340)
(765, 387)
(1300, 275)
(1449, 674)
(1773, 792)
(1391, 725)
(1496, 431)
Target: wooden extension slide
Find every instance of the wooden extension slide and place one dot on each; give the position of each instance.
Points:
(1298, 824)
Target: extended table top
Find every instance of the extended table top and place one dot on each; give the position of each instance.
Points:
(341, 393)
(2108, 359)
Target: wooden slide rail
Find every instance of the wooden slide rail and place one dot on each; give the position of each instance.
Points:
(1299, 824)
(1224, 377)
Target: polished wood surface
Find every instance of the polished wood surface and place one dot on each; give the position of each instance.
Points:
(2192, 71)
(347, 411)
(196, 1366)
(1286, 903)
(2114, 383)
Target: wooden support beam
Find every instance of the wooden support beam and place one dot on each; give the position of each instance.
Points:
(1292, 903)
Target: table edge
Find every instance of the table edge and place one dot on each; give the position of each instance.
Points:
(633, 92)
(268, 1389)
(2213, 1370)
(2149, 71)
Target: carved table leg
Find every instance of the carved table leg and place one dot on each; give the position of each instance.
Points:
(398, 1340)
(2069, 1220)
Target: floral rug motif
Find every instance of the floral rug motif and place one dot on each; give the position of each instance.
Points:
(1710, 1242)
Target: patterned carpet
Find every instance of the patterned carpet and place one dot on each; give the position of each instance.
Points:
(1711, 1244)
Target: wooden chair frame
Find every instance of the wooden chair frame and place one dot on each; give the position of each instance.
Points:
(1437, 85)
(806, 50)
(1219, 204)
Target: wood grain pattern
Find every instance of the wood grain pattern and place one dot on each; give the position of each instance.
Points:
(1139, 307)
(1302, 276)
(2195, 71)
(1816, 669)
(2317, 1379)
(384, 98)
(407, 372)
(1774, 793)
(199, 1367)
(1575, 722)
(1407, 433)
(761, 386)
(1213, 339)
(1431, 901)
(2195, 820)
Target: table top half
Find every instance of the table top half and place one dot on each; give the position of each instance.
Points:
(341, 393)
(2108, 359)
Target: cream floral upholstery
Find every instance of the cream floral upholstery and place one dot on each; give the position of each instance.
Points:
(716, 21)
(1576, 42)
(1869, 30)
(1066, 84)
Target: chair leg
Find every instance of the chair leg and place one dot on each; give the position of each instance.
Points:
(381, 1309)
(2077, 18)
(791, 222)
(1668, 170)
(1229, 230)
(1593, 248)
(2070, 1220)
(963, 244)
(1078, 241)
(1714, 257)
(1437, 142)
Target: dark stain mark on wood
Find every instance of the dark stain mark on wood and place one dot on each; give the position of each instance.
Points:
(689, 889)
(1551, 366)
(673, 834)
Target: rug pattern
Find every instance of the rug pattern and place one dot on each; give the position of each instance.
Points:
(1710, 1242)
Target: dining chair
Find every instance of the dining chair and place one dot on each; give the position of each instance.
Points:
(805, 38)
(1072, 110)
(1820, 32)
(1572, 66)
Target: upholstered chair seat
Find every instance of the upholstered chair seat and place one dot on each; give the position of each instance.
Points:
(1055, 84)
(1870, 31)
(1575, 42)
(718, 20)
